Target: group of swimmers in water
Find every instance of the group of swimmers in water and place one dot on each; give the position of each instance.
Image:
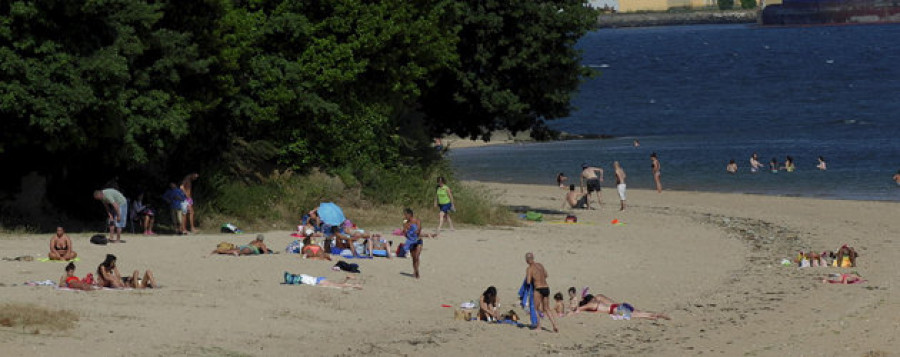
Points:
(774, 166)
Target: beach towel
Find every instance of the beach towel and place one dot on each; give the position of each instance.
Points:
(59, 261)
(526, 299)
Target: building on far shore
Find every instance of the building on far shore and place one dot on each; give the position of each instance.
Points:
(664, 5)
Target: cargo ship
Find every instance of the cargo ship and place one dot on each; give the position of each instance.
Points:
(813, 12)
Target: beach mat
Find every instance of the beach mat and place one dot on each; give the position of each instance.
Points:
(45, 259)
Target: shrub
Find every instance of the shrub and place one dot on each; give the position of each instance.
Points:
(725, 4)
(748, 4)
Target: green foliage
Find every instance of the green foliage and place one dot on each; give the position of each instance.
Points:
(150, 90)
(725, 4)
(748, 4)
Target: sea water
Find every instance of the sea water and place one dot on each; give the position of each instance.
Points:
(700, 96)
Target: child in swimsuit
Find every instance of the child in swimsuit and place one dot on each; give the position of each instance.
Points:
(72, 282)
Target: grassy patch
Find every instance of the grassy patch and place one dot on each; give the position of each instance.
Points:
(33, 318)
(369, 198)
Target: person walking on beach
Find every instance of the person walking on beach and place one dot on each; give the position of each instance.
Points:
(536, 275)
(412, 228)
(591, 177)
(187, 186)
(620, 183)
(732, 167)
(116, 210)
(444, 201)
(657, 169)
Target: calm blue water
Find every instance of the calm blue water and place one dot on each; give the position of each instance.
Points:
(701, 95)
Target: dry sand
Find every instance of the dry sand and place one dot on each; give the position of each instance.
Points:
(711, 261)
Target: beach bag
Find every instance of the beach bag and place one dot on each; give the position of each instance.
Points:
(224, 247)
(99, 239)
(294, 248)
(401, 250)
(534, 216)
(230, 228)
(348, 267)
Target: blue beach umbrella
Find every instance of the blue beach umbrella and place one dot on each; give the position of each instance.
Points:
(331, 214)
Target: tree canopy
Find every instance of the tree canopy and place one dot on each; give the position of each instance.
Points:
(93, 89)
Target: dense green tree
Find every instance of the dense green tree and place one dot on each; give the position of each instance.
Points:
(518, 66)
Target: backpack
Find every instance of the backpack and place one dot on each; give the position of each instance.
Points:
(99, 239)
(225, 246)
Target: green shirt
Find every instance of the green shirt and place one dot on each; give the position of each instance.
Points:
(111, 195)
(443, 195)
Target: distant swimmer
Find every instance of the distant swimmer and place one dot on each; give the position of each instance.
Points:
(656, 168)
(561, 180)
(822, 166)
(591, 177)
(773, 166)
(620, 183)
(732, 167)
(788, 164)
(897, 177)
(754, 163)
(636, 143)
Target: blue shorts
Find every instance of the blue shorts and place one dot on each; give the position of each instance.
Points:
(446, 207)
(123, 212)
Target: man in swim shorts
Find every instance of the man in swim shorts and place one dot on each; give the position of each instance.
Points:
(536, 275)
(620, 183)
(591, 177)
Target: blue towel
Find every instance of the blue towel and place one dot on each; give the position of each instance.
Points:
(526, 297)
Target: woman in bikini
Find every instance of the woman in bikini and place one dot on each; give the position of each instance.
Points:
(108, 276)
(72, 282)
(602, 303)
(412, 228)
(488, 304)
(61, 246)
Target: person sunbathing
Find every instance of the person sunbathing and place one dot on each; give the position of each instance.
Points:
(313, 251)
(61, 246)
(844, 279)
(72, 282)
(108, 276)
(303, 279)
(255, 247)
(602, 303)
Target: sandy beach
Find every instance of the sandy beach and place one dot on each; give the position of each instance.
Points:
(710, 261)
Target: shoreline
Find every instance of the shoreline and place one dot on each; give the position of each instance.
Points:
(655, 19)
(709, 260)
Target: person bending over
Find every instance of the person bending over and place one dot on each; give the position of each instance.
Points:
(488, 304)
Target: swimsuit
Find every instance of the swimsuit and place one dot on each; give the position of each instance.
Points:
(621, 188)
(545, 292)
(70, 279)
(310, 280)
(254, 249)
(412, 237)
(593, 184)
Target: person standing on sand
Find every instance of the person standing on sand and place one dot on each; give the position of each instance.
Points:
(444, 201)
(116, 210)
(412, 227)
(175, 197)
(536, 276)
(591, 178)
(656, 168)
(187, 186)
(620, 183)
